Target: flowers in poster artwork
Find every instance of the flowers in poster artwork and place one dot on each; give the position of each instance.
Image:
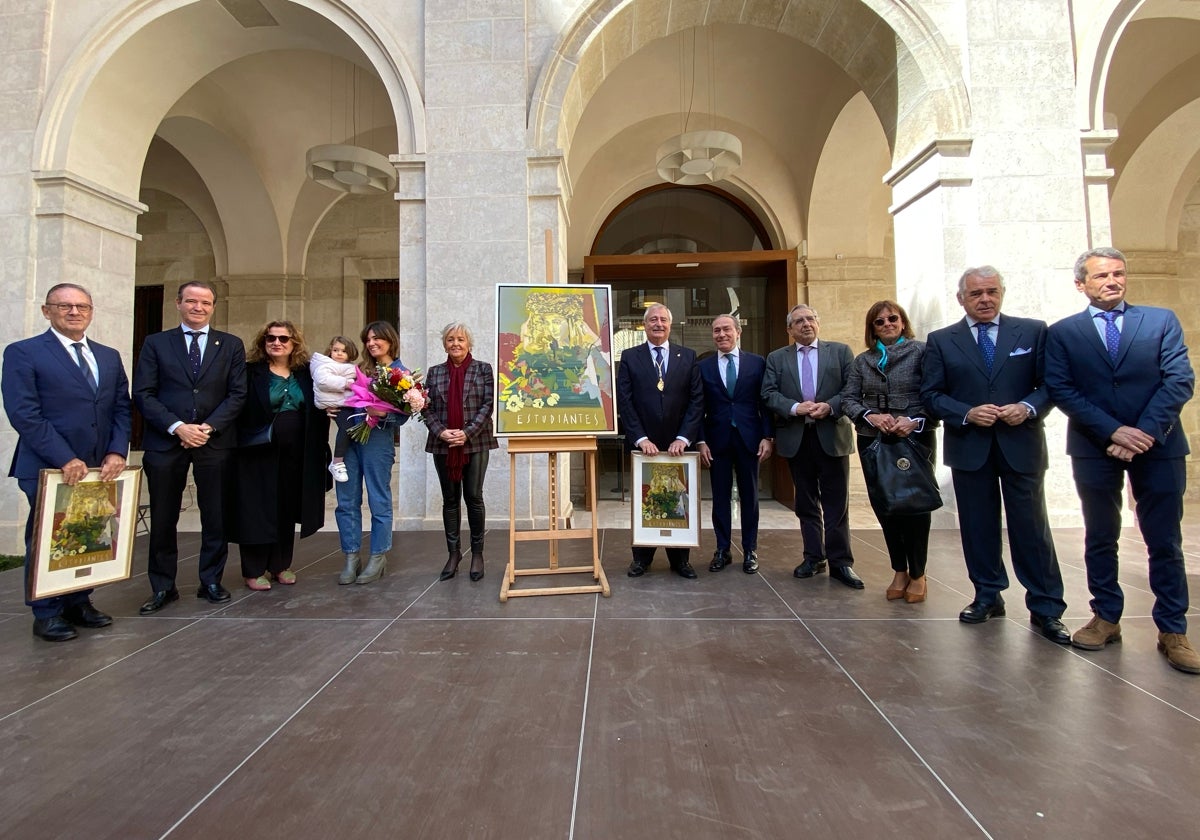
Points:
(394, 390)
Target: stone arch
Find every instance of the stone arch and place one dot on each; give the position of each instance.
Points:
(155, 41)
(924, 88)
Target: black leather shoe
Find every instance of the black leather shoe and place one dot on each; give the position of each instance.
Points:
(214, 593)
(160, 600)
(53, 629)
(685, 570)
(636, 569)
(846, 575)
(1051, 628)
(86, 615)
(978, 612)
(720, 560)
(808, 568)
(750, 564)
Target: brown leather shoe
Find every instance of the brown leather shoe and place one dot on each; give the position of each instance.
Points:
(1180, 654)
(1096, 634)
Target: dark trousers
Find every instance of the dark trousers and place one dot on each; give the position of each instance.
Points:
(346, 419)
(287, 437)
(735, 459)
(978, 494)
(43, 607)
(822, 501)
(468, 489)
(906, 537)
(166, 473)
(1158, 488)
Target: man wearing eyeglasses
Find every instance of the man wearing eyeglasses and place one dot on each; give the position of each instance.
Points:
(983, 379)
(802, 386)
(190, 384)
(68, 400)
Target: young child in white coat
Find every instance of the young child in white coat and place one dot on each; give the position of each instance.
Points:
(332, 376)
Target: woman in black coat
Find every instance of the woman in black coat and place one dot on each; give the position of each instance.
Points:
(280, 481)
(882, 395)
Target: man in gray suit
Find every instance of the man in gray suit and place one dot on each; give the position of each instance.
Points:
(802, 386)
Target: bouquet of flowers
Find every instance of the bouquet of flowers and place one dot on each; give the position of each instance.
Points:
(394, 390)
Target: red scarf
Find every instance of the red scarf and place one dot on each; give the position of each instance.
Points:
(458, 456)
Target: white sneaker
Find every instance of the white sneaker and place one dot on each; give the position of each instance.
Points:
(338, 470)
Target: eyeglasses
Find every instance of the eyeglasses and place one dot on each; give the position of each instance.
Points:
(890, 319)
(64, 308)
(273, 339)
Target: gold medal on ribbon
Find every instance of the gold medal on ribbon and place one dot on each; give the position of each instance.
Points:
(660, 384)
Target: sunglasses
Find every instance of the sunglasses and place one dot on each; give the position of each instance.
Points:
(274, 339)
(890, 319)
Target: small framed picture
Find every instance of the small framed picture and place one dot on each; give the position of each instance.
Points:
(83, 534)
(666, 500)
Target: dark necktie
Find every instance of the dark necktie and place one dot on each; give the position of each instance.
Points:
(808, 381)
(85, 367)
(1112, 335)
(986, 345)
(658, 364)
(730, 373)
(194, 352)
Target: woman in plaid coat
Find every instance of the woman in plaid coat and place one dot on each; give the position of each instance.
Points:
(459, 417)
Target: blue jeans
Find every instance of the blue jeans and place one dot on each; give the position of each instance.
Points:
(369, 463)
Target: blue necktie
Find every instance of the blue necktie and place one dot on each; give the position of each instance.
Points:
(85, 367)
(1112, 335)
(658, 363)
(986, 345)
(194, 353)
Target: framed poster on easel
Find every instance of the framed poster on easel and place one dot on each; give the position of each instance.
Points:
(554, 371)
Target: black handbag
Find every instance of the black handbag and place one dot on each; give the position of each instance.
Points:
(899, 476)
(257, 437)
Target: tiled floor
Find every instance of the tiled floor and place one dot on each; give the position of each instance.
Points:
(733, 706)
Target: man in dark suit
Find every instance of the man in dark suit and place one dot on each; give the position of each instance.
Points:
(737, 437)
(68, 400)
(661, 403)
(802, 387)
(1121, 374)
(189, 384)
(988, 391)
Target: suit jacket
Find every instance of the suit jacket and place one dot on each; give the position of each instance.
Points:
(781, 390)
(894, 390)
(956, 379)
(1146, 387)
(661, 416)
(744, 406)
(166, 392)
(478, 403)
(54, 411)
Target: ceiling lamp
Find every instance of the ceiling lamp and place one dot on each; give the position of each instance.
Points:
(699, 157)
(351, 169)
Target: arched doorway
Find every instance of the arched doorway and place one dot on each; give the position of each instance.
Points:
(702, 252)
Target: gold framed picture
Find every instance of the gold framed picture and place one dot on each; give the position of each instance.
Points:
(83, 534)
(666, 500)
(554, 353)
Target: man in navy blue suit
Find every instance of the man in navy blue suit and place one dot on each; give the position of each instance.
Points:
(661, 403)
(737, 437)
(190, 384)
(68, 400)
(1121, 374)
(982, 378)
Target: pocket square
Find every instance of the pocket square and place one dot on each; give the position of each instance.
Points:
(1021, 351)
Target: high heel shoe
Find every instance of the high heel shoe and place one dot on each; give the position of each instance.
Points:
(476, 565)
(451, 567)
(911, 597)
(894, 592)
(376, 566)
(350, 572)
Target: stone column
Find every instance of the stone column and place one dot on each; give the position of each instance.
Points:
(476, 209)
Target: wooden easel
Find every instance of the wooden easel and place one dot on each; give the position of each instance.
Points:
(552, 446)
